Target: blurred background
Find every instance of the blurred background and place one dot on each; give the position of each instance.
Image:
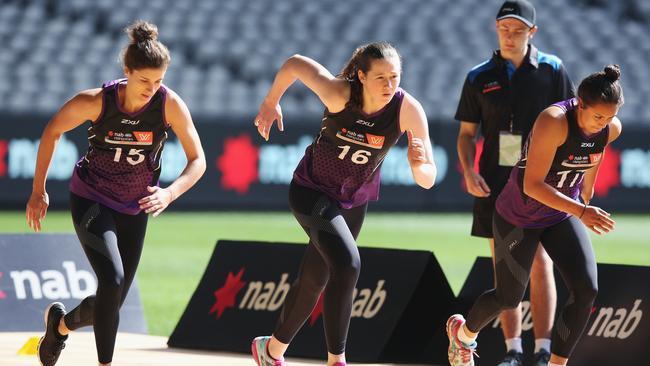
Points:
(224, 56)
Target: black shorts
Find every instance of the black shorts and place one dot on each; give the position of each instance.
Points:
(483, 211)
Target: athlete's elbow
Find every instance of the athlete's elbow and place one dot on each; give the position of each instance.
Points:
(531, 189)
(428, 178)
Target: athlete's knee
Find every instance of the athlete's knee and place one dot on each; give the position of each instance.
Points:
(542, 264)
(585, 291)
(111, 282)
(348, 270)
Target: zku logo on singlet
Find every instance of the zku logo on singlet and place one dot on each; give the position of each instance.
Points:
(269, 296)
(129, 122)
(365, 123)
(143, 137)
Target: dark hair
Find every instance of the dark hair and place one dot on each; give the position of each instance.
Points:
(361, 60)
(602, 87)
(144, 51)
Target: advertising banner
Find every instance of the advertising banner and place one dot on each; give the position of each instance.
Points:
(400, 297)
(37, 269)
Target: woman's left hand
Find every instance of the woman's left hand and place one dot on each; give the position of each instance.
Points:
(417, 154)
(157, 202)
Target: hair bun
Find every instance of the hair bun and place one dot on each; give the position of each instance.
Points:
(142, 31)
(612, 72)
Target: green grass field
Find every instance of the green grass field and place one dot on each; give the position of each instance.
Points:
(178, 246)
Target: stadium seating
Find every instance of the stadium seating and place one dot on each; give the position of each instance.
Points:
(225, 53)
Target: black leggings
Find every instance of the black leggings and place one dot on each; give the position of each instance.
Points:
(113, 243)
(331, 263)
(569, 246)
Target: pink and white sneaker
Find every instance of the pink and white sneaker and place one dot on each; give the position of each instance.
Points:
(260, 351)
(459, 353)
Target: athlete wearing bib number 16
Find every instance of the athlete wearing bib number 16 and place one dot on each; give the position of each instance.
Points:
(115, 184)
(365, 114)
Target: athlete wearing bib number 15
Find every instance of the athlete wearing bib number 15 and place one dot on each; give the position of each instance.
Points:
(541, 203)
(365, 114)
(115, 184)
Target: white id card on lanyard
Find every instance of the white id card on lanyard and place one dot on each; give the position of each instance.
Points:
(509, 148)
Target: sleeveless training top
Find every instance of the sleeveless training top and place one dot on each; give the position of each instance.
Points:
(345, 159)
(124, 152)
(577, 154)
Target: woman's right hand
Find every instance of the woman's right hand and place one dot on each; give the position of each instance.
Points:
(269, 112)
(36, 209)
(597, 220)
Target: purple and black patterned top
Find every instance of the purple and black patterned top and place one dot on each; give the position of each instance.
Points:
(577, 154)
(124, 153)
(344, 161)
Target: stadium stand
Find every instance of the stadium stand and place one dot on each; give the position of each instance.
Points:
(224, 53)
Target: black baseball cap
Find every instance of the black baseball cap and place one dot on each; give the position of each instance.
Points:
(518, 9)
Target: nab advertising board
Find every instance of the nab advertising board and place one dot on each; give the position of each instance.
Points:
(245, 172)
(37, 269)
(618, 325)
(401, 296)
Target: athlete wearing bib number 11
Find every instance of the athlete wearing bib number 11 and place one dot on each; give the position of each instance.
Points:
(542, 203)
(365, 114)
(115, 184)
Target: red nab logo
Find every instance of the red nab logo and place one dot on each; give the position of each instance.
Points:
(225, 296)
(143, 136)
(375, 141)
(594, 158)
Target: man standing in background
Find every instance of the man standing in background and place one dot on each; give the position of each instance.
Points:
(503, 96)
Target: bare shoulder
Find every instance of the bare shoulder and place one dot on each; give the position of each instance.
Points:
(86, 105)
(176, 111)
(409, 102)
(411, 112)
(88, 97)
(615, 129)
(551, 126)
(553, 118)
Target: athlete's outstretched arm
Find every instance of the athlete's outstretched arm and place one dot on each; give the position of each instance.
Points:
(179, 118)
(413, 120)
(332, 91)
(87, 105)
(550, 131)
(589, 180)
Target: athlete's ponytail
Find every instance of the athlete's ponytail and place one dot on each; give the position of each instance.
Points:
(145, 51)
(602, 87)
(361, 60)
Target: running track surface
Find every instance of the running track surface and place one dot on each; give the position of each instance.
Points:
(132, 350)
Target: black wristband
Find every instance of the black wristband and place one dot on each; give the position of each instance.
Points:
(583, 210)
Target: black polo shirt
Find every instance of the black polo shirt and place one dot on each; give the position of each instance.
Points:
(495, 93)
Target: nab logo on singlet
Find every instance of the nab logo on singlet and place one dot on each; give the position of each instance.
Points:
(619, 323)
(365, 123)
(129, 122)
(269, 296)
